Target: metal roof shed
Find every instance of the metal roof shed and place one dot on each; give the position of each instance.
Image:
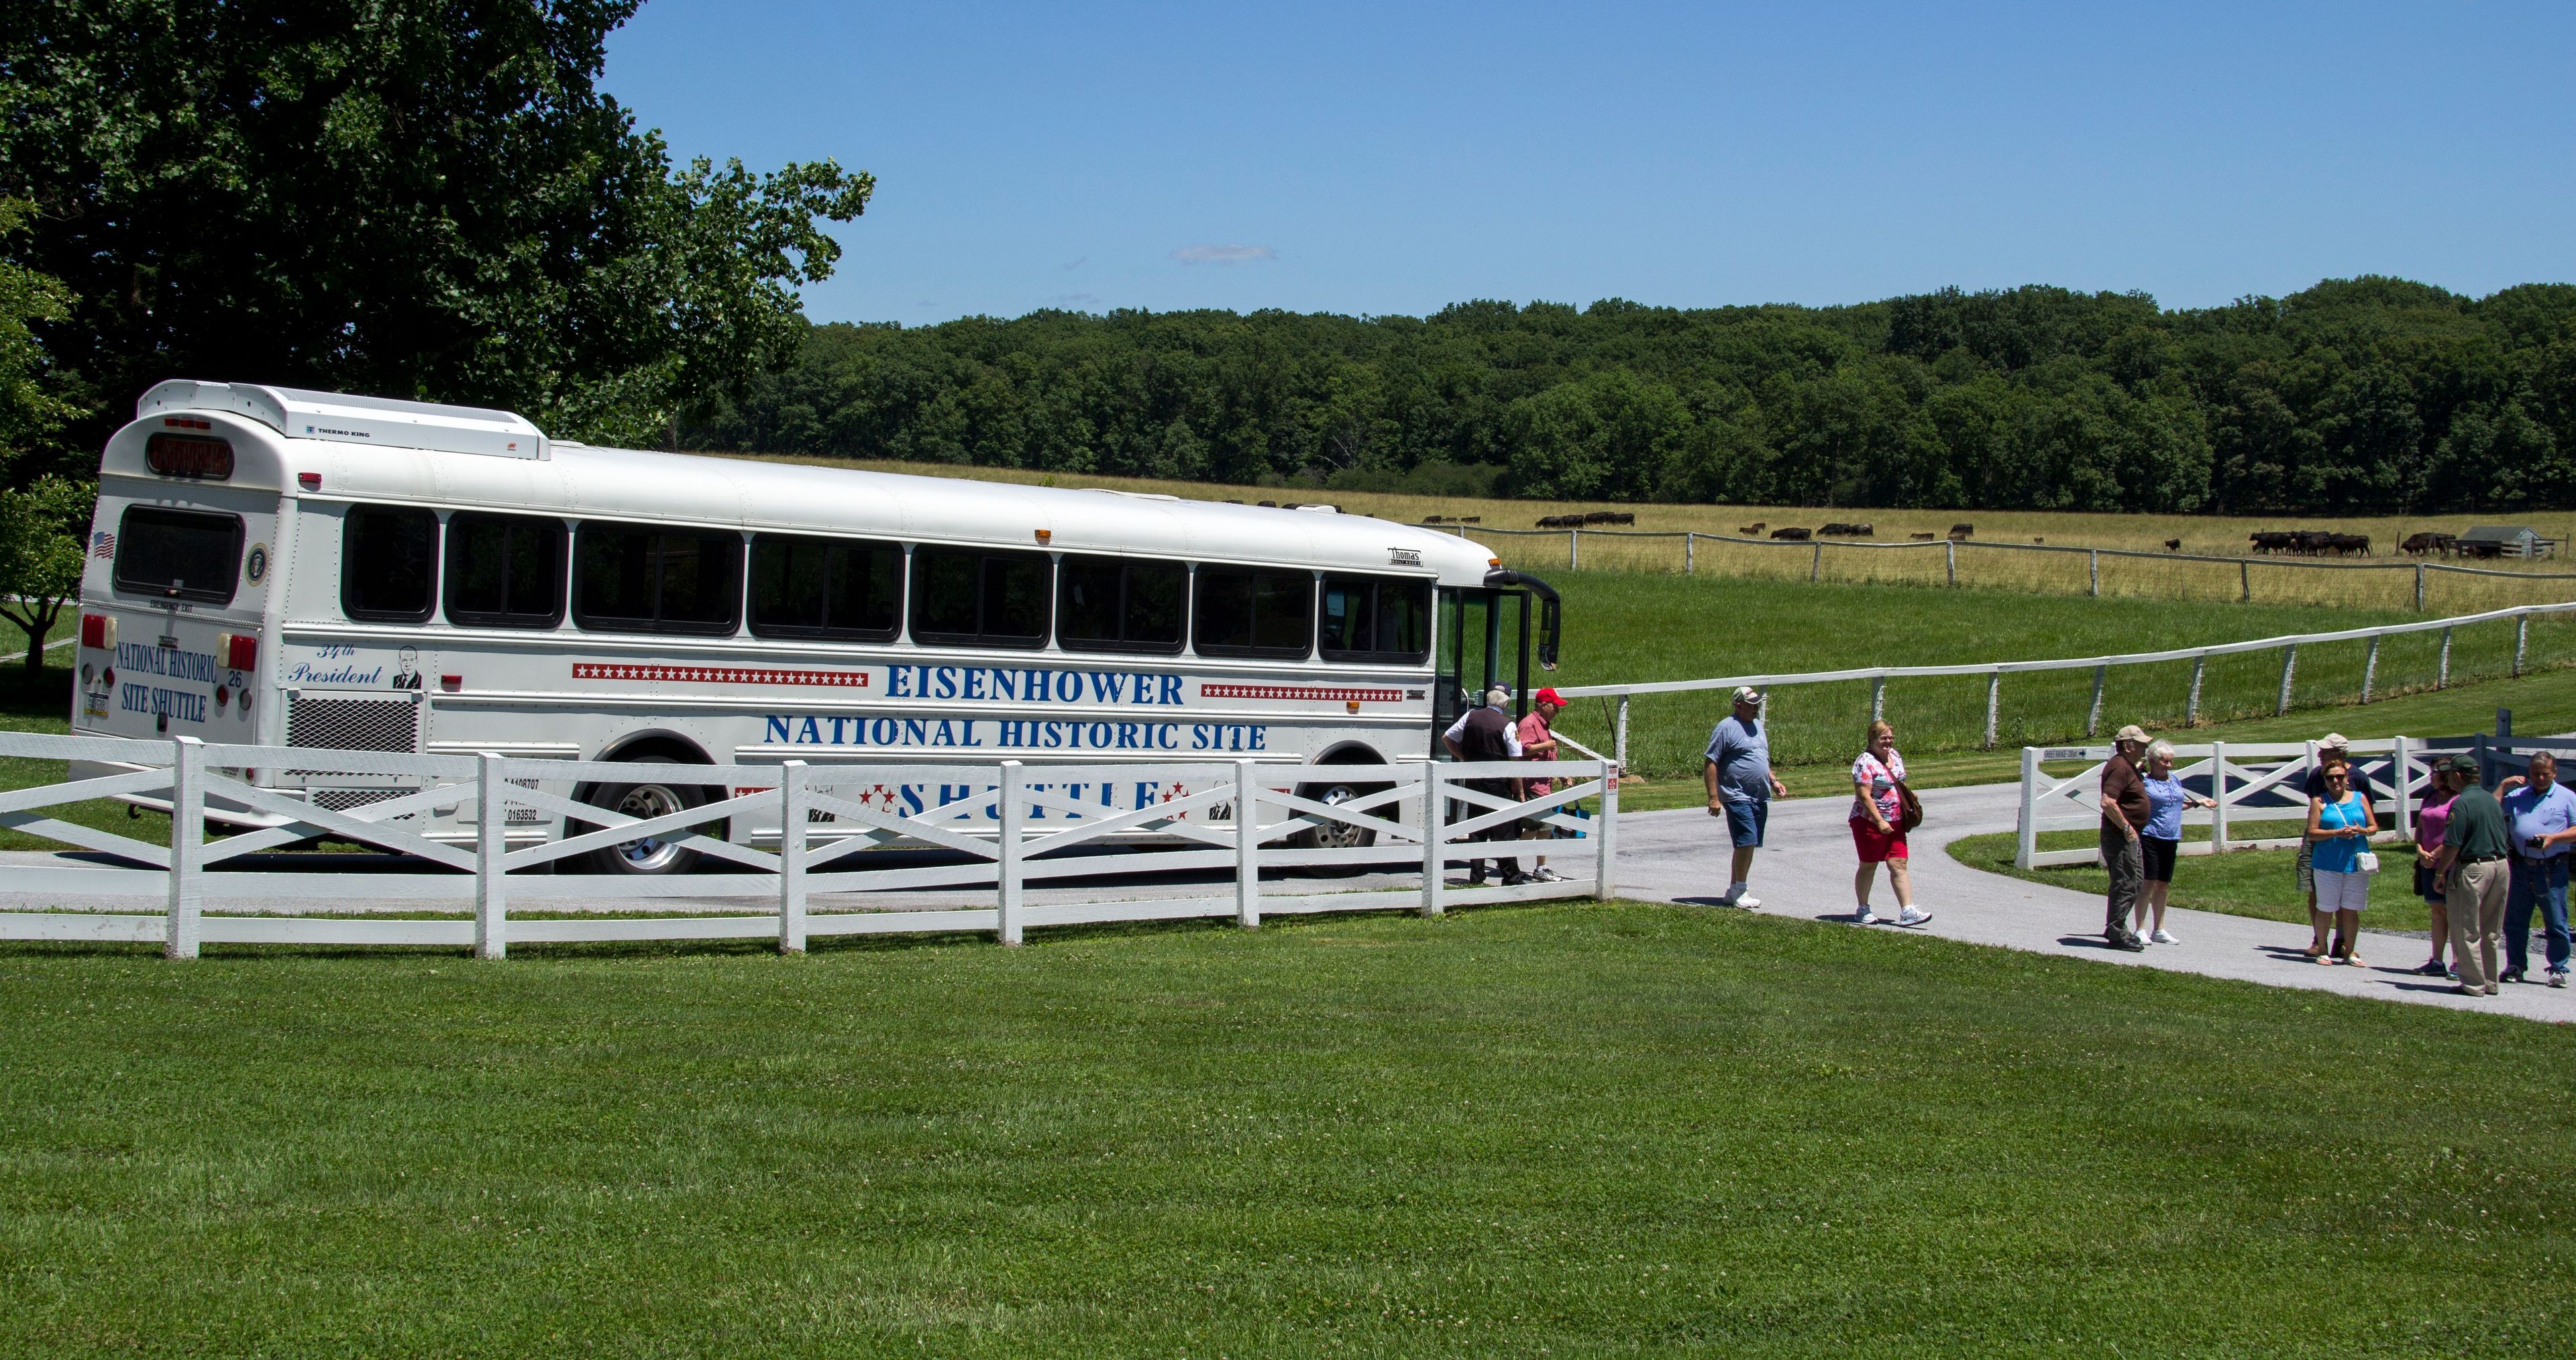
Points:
(2511, 540)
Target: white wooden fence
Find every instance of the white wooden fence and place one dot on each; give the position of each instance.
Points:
(2250, 781)
(815, 883)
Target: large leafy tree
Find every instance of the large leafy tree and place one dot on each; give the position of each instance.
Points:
(40, 525)
(420, 198)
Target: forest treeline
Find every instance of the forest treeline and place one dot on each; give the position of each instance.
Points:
(2361, 394)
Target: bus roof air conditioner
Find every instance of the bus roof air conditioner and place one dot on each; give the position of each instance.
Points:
(356, 420)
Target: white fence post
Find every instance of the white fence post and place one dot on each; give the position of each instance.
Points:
(1619, 746)
(2191, 707)
(2093, 716)
(793, 842)
(2370, 668)
(2244, 582)
(2289, 671)
(1247, 847)
(2026, 837)
(1435, 861)
(2097, 572)
(1877, 697)
(2521, 640)
(1994, 705)
(2218, 795)
(1950, 551)
(2442, 678)
(491, 842)
(1007, 918)
(2419, 587)
(1605, 856)
(1816, 568)
(187, 844)
(1690, 551)
(2404, 811)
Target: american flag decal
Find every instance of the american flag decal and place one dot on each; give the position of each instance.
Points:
(102, 544)
(1368, 696)
(720, 675)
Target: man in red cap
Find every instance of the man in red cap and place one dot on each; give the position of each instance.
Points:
(1538, 742)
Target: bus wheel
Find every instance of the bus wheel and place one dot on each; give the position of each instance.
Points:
(1335, 835)
(660, 853)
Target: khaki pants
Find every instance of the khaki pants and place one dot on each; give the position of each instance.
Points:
(2475, 900)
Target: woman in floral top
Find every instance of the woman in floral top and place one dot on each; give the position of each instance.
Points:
(1874, 817)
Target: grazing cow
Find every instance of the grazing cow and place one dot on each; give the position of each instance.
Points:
(2039, 540)
(1610, 517)
(2270, 541)
(2346, 545)
(2481, 551)
(1561, 522)
(2173, 545)
(1962, 530)
(2429, 541)
(1793, 535)
(1924, 537)
(1838, 529)
(1753, 530)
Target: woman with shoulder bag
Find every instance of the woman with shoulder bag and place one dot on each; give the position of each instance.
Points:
(1883, 810)
(2340, 824)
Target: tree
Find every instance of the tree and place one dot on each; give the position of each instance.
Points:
(40, 555)
(421, 198)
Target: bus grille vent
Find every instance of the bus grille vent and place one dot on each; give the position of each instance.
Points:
(343, 800)
(353, 724)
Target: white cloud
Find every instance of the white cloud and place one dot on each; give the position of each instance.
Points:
(1216, 254)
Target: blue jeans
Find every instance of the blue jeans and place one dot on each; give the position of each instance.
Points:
(2542, 882)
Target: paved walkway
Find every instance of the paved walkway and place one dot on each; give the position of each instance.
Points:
(1681, 856)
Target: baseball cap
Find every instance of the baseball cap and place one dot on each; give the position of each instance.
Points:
(2132, 732)
(2333, 741)
(1548, 696)
(1746, 694)
(2464, 764)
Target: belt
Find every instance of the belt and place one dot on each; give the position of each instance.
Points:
(2479, 859)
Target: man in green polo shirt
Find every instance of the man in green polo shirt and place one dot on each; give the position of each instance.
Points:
(2472, 864)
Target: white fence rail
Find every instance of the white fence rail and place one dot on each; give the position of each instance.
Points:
(2250, 782)
(2101, 666)
(1239, 824)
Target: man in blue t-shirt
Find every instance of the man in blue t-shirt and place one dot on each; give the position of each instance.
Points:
(1737, 770)
(2542, 814)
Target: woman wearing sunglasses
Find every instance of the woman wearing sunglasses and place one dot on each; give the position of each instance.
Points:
(2340, 824)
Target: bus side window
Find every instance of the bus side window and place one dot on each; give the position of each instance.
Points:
(1255, 613)
(388, 564)
(636, 579)
(1376, 619)
(968, 597)
(825, 588)
(1117, 604)
(504, 571)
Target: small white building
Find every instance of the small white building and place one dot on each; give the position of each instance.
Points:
(2509, 540)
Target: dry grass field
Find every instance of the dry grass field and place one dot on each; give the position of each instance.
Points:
(2387, 583)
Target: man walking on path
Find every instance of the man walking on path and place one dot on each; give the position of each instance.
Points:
(1537, 734)
(2471, 862)
(2125, 812)
(2543, 817)
(1737, 770)
(1488, 734)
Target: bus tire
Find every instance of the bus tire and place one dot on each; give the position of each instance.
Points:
(1335, 835)
(651, 855)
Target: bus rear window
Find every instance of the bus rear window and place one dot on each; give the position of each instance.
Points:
(628, 578)
(1115, 604)
(504, 571)
(1375, 618)
(178, 554)
(825, 588)
(1255, 613)
(962, 597)
(388, 564)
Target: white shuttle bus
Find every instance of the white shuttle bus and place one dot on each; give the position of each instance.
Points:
(295, 568)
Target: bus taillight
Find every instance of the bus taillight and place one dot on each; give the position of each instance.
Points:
(98, 631)
(239, 650)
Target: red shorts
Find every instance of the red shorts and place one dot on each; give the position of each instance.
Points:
(1876, 846)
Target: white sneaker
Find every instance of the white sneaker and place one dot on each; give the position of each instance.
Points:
(2161, 937)
(1745, 900)
(1868, 918)
(1913, 916)
(1547, 875)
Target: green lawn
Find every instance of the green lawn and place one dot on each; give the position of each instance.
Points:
(1570, 1130)
(2240, 883)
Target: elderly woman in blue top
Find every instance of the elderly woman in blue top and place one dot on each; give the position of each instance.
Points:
(2340, 824)
(2160, 840)
(2542, 816)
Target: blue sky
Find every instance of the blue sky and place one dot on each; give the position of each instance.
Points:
(1394, 158)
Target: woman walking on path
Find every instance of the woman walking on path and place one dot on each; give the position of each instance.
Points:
(2432, 817)
(2340, 823)
(1877, 830)
(2160, 841)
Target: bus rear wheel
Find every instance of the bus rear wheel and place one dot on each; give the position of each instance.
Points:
(659, 853)
(1336, 835)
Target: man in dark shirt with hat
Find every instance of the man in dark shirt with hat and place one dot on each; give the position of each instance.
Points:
(2124, 814)
(2472, 857)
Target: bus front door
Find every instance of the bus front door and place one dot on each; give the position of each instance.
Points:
(1484, 641)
